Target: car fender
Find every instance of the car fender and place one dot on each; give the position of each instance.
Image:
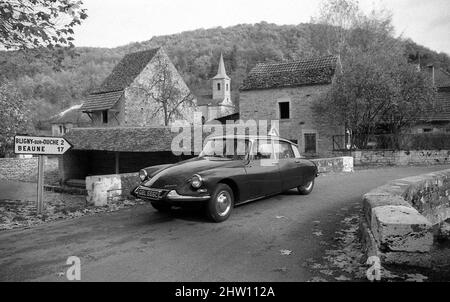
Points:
(224, 175)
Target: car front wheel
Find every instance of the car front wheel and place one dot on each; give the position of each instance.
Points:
(306, 188)
(221, 203)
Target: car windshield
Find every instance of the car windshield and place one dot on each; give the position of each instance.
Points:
(225, 148)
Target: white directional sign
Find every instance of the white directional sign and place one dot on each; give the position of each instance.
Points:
(40, 145)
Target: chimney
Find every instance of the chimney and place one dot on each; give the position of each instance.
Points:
(430, 68)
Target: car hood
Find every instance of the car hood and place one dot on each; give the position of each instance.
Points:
(180, 173)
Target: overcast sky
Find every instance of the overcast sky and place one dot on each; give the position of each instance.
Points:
(118, 22)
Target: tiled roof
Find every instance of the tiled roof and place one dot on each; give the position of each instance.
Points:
(128, 139)
(232, 117)
(71, 115)
(291, 74)
(101, 101)
(441, 78)
(110, 91)
(443, 102)
(123, 139)
(127, 70)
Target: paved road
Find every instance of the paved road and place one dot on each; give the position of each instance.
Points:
(139, 244)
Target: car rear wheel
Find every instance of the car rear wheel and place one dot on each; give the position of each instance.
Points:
(221, 203)
(306, 188)
(161, 207)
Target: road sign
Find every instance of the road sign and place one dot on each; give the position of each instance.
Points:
(40, 145)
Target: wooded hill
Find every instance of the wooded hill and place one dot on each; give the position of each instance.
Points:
(194, 53)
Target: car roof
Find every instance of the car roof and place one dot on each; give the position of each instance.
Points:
(244, 136)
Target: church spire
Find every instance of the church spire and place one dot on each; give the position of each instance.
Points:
(221, 73)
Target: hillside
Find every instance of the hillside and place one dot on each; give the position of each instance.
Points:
(194, 53)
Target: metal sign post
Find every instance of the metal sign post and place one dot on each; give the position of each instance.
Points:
(40, 184)
(41, 146)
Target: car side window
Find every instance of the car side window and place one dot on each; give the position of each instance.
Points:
(296, 152)
(262, 149)
(240, 149)
(283, 150)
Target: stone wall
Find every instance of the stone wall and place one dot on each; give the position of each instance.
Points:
(139, 110)
(402, 220)
(263, 105)
(25, 169)
(335, 164)
(400, 158)
(102, 189)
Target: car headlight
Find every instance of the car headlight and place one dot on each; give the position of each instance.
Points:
(196, 181)
(143, 175)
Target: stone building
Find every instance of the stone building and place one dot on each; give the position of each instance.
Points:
(128, 128)
(67, 119)
(114, 150)
(439, 121)
(286, 91)
(219, 103)
(127, 97)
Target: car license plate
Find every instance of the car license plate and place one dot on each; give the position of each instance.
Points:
(149, 193)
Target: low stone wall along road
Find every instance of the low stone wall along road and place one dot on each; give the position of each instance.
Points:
(284, 238)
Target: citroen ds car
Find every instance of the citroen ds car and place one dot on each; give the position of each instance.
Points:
(230, 170)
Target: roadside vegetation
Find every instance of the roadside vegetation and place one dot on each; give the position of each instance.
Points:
(378, 89)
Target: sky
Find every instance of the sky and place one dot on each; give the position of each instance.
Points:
(114, 23)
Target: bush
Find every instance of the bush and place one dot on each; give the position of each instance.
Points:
(423, 141)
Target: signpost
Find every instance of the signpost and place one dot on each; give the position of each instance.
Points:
(41, 146)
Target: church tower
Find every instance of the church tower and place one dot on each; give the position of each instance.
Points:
(221, 84)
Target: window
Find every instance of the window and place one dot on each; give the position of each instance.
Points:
(284, 110)
(283, 150)
(105, 116)
(62, 129)
(226, 88)
(226, 148)
(310, 143)
(427, 130)
(218, 86)
(263, 149)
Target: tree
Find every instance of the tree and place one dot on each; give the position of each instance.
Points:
(26, 24)
(165, 90)
(336, 19)
(357, 96)
(413, 96)
(376, 86)
(13, 116)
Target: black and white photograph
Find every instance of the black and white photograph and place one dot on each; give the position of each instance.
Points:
(225, 147)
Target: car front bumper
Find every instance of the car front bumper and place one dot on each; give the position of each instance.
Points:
(174, 196)
(169, 196)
